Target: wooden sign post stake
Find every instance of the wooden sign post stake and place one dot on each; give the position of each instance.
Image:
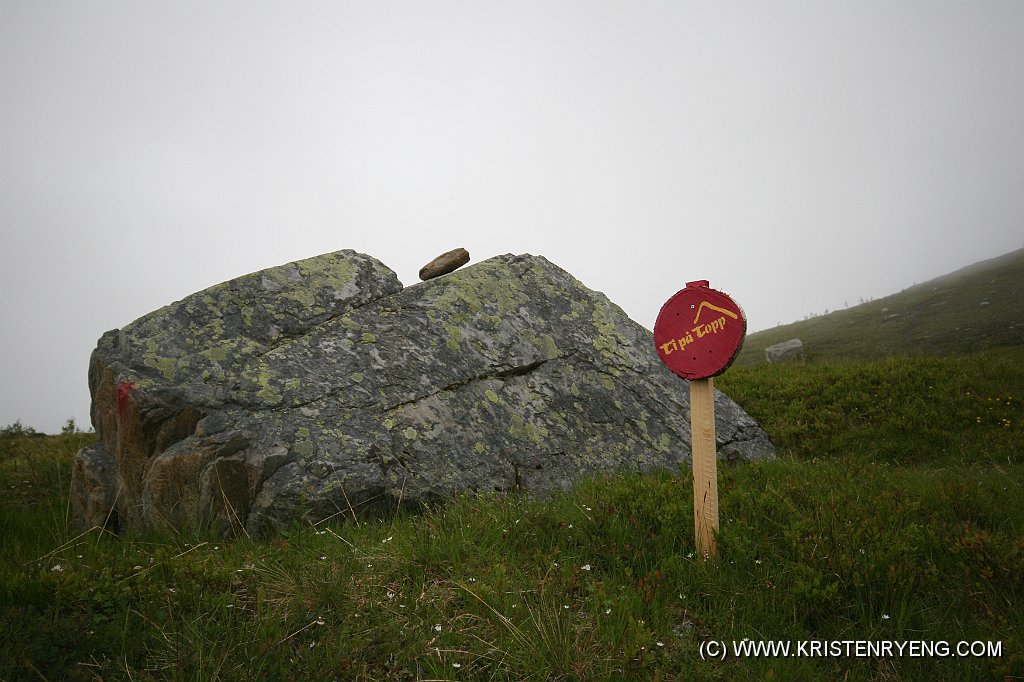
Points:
(705, 466)
(699, 332)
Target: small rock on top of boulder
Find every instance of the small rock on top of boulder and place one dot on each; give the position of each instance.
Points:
(319, 387)
(448, 261)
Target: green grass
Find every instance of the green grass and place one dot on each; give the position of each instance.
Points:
(894, 512)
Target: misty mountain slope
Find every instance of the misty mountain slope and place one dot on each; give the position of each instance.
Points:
(977, 307)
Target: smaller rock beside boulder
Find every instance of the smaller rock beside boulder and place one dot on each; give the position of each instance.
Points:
(445, 263)
(787, 351)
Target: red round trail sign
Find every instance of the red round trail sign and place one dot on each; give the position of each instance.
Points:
(699, 331)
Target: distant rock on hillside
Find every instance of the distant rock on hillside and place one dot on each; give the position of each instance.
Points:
(787, 351)
(320, 387)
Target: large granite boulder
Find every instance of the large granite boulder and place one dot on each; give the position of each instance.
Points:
(323, 388)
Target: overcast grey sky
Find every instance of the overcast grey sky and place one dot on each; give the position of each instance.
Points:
(799, 155)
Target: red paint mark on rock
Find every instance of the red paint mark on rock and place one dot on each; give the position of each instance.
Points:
(124, 391)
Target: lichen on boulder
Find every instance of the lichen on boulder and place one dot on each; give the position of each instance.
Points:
(323, 388)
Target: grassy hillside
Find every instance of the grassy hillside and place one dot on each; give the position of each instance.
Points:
(895, 512)
(978, 307)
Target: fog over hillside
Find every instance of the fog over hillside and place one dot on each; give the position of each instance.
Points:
(800, 156)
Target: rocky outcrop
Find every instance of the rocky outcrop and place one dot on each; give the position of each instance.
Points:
(787, 351)
(321, 388)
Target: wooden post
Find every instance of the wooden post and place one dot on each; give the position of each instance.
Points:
(705, 466)
(698, 334)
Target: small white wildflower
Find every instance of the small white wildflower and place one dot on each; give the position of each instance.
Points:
(690, 555)
(323, 557)
(862, 551)
(472, 580)
(321, 621)
(565, 606)
(391, 595)
(57, 568)
(456, 665)
(437, 627)
(312, 644)
(588, 508)
(216, 546)
(660, 643)
(136, 568)
(757, 561)
(387, 539)
(585, 567)
(885, 616)
(79, 556)
(607, 612)
(570, 525)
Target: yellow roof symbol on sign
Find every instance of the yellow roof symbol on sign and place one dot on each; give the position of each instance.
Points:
(705, 304)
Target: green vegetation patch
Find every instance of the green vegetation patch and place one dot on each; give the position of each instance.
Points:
(894, 512)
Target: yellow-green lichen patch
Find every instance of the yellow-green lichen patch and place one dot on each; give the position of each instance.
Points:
(357, 377)
(492, 396)
(214, 328)
(409, 433)
(608, 341)
(165, 365)
(336, 273)
(217, 353)
(522, 429)
(545, 343)
(299, 294)
(664, 442)
(642, 423)
(369, 338)
(454, 335)
(304, 447)
(390, 423)
(486, 284)
(454, 332)
(267, 392)
(575, 390)
(480, 448)
(578, 310)
(292, 384)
